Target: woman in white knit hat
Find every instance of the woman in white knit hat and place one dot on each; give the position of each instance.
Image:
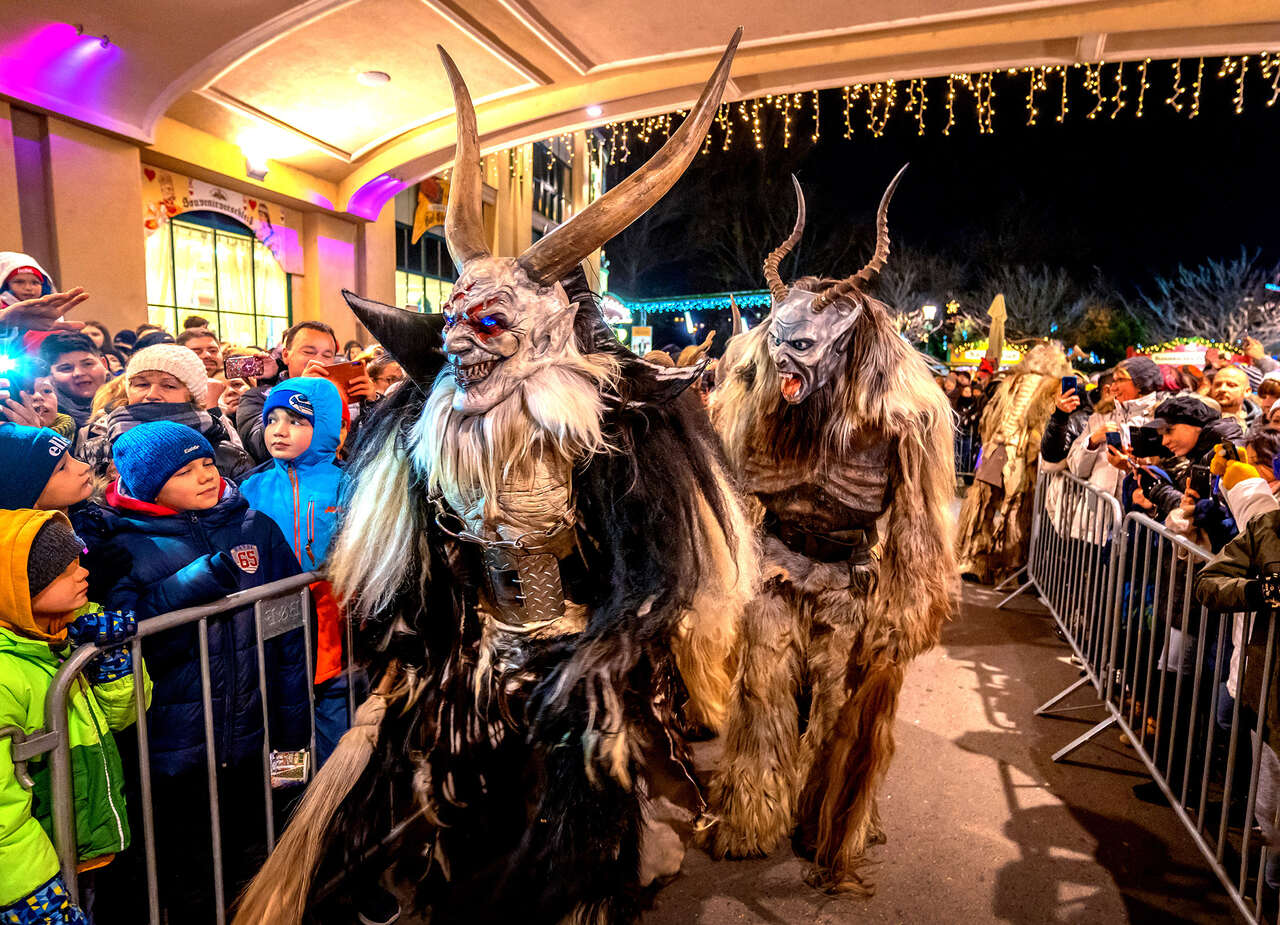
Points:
(166, 382)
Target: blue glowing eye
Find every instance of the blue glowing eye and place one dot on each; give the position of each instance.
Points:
(489, 322)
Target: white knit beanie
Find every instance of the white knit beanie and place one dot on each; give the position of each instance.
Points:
(178, 361)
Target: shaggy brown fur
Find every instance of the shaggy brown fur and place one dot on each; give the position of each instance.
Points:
(815, 628)
(994, 529)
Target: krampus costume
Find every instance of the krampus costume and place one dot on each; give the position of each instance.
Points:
(546, 563)
(834, 425)
(994, 531)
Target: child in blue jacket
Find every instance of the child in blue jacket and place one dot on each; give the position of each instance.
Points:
(299, 489)
(192, 539)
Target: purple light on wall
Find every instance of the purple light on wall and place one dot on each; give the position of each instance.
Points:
(337, 267)
(335, 252)
(54, 62)
(320, 200)
(289, 249)
(368, 200)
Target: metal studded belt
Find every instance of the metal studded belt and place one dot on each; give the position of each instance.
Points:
(524, 573)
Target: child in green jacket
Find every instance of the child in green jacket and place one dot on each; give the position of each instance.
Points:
(43, 606)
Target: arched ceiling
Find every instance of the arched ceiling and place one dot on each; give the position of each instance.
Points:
(279, 79)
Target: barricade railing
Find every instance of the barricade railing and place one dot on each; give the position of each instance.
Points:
(1189, 688)
(1191, 695)
(967, 444)
(1072, 565)
(279, 607)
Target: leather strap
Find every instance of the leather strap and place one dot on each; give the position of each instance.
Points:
(853, 546)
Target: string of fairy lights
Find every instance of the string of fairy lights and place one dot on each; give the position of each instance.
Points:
(1111, 89)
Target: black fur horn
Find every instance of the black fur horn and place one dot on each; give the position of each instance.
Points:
(414, 339)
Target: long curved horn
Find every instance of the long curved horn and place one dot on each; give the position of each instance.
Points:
(549, 258)
(877, 261)
(777, 288)
(735, 327)
(464, 218)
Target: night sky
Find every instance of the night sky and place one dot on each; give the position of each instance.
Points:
(1130, 197)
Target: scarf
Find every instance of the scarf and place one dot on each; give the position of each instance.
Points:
(106, 429)
(78, 408)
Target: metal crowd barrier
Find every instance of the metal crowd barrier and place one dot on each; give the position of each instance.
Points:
(1120, 590)
(279, 607)
(967, 444)
(1072, 564)
(1167, 690)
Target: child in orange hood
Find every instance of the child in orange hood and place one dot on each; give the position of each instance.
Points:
(43, 607)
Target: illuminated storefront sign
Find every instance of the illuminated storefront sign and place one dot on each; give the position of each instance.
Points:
(166, 195)
(974, 352)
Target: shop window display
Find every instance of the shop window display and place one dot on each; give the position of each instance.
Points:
(424, 271)
(207, 264)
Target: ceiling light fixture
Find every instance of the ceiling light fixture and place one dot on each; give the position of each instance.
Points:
(373, 78)
(102, 39)
(595, 111)
(255, 170)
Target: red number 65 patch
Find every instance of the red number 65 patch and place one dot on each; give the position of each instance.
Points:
(246, 557)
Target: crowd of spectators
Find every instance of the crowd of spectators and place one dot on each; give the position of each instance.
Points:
(1196, 450)
(968, 394)
(139, 478)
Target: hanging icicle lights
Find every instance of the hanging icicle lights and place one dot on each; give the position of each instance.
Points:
(1110, 89)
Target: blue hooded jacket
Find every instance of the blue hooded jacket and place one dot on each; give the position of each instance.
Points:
(195, 557)
(301, 494)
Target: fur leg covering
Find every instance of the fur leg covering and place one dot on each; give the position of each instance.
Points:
(837, 622)
(753, 793)
(278, 894)
(841, 795)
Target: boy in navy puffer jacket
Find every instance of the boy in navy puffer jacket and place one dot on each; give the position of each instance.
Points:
(299, 489)
(192, 539)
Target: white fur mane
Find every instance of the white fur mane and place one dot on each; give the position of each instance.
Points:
(556, 410)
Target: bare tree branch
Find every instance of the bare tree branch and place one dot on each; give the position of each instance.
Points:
(1219, 299)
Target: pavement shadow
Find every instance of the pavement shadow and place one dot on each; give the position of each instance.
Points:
(1159, 873)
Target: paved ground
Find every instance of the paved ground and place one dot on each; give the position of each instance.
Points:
(982, 826)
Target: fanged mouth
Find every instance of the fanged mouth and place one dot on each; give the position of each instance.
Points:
(791, 386)
(467, 376)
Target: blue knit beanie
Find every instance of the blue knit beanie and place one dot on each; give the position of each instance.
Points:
(28, 456)
(295, 402)
(147, 456)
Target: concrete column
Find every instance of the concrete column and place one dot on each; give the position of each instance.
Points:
(95, 193)
(376, 257)
(10, 217)
(329, 262)
(376, 261)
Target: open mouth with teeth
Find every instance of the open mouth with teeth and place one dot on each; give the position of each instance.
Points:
(791, 386)
(467, 376)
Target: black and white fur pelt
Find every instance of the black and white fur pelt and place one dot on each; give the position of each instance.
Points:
(531, 789)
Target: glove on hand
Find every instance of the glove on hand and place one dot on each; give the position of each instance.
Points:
(224, 571)
(1224, 454)
(110, 666)
(104, 629)
(1237, 472)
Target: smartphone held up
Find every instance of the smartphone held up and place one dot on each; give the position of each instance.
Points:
(244, 367)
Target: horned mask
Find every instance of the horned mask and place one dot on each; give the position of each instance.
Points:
(810, 332)
(507, 318)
